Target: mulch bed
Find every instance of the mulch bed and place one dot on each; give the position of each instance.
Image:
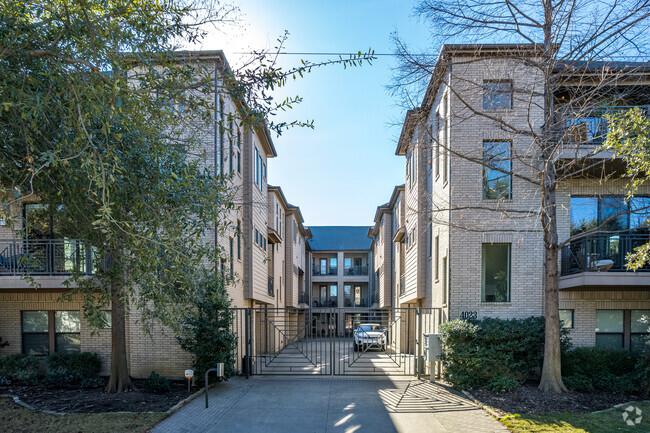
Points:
(528, 399)
(71, 400)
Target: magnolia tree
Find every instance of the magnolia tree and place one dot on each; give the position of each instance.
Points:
(101, 122)
(573, 61)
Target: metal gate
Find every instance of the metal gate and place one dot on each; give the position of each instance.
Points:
(332, 341)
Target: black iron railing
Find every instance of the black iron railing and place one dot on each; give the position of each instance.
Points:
(601, 252)
(46, 257)
(328, 271)
(271, 292)
(357, 270)
(303, 298)
(588, 125)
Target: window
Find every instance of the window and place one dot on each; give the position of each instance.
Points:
(256, 237)
(495, 273)
(232, 258)
(257, 167)
(333, 266)
(497, 180)
(591, 212)
(609, 329)
(437, 144)
(221, 131)
(430, 240)
(36, 339)
(445, 286)
(238, 151)
(408, 167)
(107, 319)
(230, 146)
(51, 331)
(67, 327)
(323, 266)
(497, 95)
(436, 265)
(566, 319)
(264, 242)
(640, 330)
(238, 240)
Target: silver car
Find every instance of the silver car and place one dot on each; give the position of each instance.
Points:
(368, 335)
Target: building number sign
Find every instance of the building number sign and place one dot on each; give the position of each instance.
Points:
(465, 315)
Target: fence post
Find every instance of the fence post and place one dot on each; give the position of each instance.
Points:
(247, 314)
(418, 339)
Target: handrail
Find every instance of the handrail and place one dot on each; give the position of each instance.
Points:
(601, 252)
(46, 257)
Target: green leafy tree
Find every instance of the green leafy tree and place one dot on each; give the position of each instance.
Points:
(111, 142)
(206, 332)
(628, 136)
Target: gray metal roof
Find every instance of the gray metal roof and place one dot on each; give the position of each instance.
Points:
(339, 238)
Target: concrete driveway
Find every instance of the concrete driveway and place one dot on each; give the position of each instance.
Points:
(287, 404)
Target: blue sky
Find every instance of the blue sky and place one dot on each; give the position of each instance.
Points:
(339, 172)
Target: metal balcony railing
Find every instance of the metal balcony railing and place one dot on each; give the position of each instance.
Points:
(271, 292)
(46, 257)
(316, 271)
(402, 284)
(587, 125)
(303, 298)
(601, 252)
(356, 270)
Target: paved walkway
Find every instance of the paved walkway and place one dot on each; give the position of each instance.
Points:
(291, 404)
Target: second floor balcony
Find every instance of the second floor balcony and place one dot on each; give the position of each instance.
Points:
(326, 270)
(353, 270)
(46, 257)
(599, 260)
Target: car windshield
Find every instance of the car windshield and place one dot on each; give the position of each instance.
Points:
(368, 328)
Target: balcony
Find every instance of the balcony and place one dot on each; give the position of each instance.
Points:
(271, 292)
(356, 270)
(46, 257)
(303, 298)
(587, 125)
(402, 285)
(316, 271)
(599, 261)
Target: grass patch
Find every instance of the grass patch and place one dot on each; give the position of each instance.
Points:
(15, 418)
(602, 422)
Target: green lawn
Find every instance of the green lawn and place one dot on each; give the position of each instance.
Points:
(602, 422)
(15, 418)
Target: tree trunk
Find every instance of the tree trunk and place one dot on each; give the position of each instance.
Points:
(551, 380)
(119, 380)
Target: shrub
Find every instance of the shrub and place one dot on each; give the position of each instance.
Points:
(71, 368)
(502, 383)
(157, 384)
(587, 369)
(207, 331)
(493, 353)
(19, 368)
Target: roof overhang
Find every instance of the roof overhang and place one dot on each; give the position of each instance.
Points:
(400, 234)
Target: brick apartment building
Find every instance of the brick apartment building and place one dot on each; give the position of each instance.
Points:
(444, 238)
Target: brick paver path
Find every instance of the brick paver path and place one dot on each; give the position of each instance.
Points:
(291, 404)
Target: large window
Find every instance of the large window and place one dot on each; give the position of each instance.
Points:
(496, 273)
(497, 180)
(612, 213)
(640, 330)
(51, 331)
(497, 94)
(609, 329)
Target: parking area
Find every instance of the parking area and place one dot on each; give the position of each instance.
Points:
(330, 404)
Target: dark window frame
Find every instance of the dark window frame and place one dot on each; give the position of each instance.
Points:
(491, 96)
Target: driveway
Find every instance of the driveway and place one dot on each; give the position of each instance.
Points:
(287, 404)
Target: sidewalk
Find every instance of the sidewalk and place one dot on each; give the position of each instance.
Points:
(290, 404)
